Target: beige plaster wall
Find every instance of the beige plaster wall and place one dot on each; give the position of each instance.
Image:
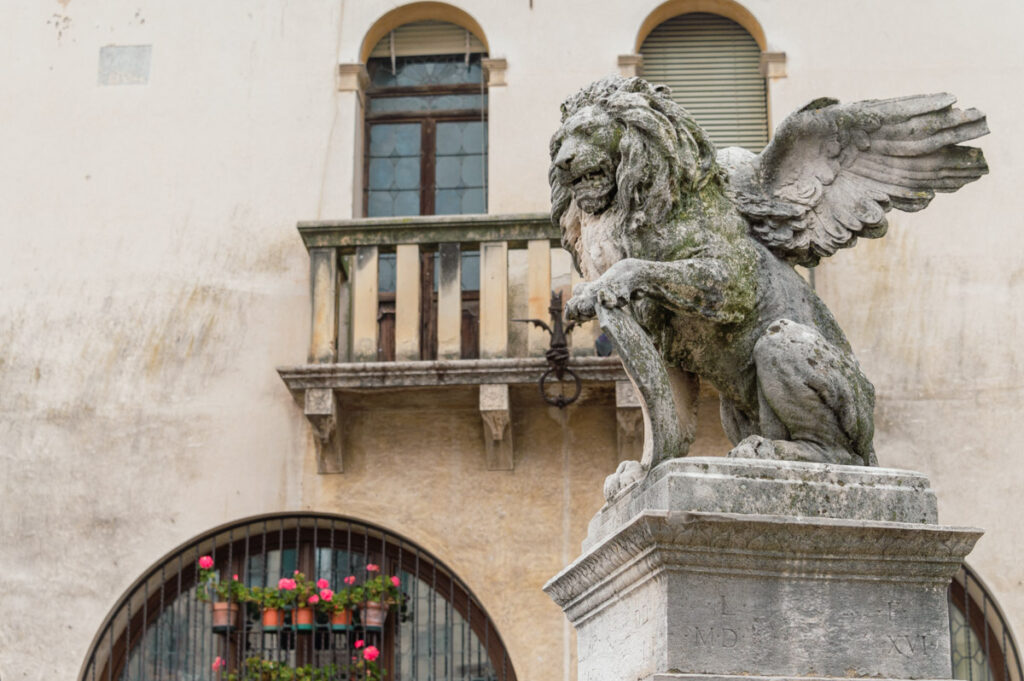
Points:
(151, 278)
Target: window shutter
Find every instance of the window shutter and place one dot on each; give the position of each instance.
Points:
(712, 66)
(426, 38)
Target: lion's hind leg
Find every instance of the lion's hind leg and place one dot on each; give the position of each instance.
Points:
(814, 402)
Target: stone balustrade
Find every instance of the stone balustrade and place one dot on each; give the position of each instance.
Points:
(425, 323)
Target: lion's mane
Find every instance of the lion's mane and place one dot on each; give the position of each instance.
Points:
(664, 156)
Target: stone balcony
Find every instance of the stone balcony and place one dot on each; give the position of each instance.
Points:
(430, 302)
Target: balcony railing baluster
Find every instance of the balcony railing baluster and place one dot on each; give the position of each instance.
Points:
(407, 302)
(493, 299)
(538, 288)
(364, 305)
(449, 302)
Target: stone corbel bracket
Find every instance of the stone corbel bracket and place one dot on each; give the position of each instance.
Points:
(314, 385)
(321, 410)
(497, 423)
(353, 78)
(494, 71)
(773, 64)
(630, 65)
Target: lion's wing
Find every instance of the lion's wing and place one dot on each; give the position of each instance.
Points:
(833, 171)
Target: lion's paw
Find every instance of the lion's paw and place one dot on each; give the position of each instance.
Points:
(754, 447)
(628, 473)
(580, 309)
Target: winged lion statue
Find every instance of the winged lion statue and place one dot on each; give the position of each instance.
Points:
(689, 254)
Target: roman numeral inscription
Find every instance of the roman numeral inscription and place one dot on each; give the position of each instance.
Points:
(715, 637)
(907, 645)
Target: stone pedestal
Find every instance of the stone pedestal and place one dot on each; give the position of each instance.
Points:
(713, 568)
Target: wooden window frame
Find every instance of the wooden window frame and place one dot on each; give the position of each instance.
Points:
(428, 121)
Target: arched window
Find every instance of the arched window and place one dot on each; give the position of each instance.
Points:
(426, 154)
(712, 65)
(426, 123)
(981, 645)
(161, 631)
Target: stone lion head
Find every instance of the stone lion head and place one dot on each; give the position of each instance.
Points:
(627, 150)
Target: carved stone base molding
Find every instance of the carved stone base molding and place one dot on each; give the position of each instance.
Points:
(715, 568)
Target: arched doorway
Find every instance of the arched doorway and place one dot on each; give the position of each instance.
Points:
(160, 630)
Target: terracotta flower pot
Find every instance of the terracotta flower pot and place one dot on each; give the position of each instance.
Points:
(273, 618)
(303, 619)
(225, 616)
(373, 614)
(341, 620)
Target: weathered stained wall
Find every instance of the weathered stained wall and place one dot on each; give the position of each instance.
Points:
(152, 279)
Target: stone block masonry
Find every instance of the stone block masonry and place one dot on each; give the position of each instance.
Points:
(713, 568)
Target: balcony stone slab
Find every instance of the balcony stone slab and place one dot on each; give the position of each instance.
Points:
(512, 370)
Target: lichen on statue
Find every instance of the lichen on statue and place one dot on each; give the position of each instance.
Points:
(699, 248)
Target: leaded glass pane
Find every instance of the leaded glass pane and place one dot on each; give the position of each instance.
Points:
(395, 173)
(392, 203)
(394, 139)
(386, 273)
(426, 70)
(393, 177)
(427, 103)
(460, 169)
(471, 271)
(460, 201)
(448, 172)
(461, 137)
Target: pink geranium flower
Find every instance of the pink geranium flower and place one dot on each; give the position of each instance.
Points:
(206, 562)
(396, 581)
(371, 653)
(372, 567)
(314, 599)
(322, 584)
(286, 584)
(326, 594)
(218, 663)
(360, 643)
(296, 572)
(350, 580)
(234, 577)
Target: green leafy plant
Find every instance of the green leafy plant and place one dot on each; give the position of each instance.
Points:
(268, 598)
(258, 669)
(210, 584)
(379, 588)
(335, 601)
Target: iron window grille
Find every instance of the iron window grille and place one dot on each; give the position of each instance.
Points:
(159, 631)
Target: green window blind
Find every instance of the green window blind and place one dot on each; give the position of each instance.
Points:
(712, 66)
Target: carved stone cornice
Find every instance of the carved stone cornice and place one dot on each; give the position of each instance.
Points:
(516, 370)
(760, 547)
